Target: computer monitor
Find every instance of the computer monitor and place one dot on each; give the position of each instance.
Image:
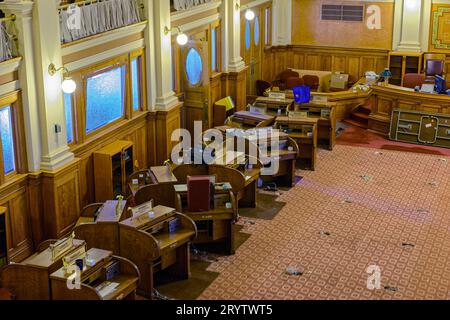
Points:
(441, 85)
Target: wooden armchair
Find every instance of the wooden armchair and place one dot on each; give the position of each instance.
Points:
(183, 171)
(161, 194)
(312, 81)
(90, 211)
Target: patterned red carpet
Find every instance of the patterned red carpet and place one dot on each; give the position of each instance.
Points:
(361, 207)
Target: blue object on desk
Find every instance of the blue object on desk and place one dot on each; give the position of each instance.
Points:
(302, 94)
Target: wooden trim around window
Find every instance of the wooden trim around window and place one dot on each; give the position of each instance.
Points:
(79, 98)
(14, 101)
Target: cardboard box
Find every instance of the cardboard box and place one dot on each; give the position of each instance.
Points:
(339, 81)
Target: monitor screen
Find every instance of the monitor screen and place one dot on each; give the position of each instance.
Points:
(441, 86)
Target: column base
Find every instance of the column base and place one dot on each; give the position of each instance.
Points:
(57, 159)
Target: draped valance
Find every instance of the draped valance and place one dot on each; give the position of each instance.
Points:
(98, 17)
(6, 43)
(187, 4)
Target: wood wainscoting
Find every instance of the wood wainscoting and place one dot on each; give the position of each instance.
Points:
(19, 236)
(352, 61)
(234, 84)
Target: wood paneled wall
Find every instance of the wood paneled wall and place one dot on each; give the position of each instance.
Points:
(355, 62)
(309, 29)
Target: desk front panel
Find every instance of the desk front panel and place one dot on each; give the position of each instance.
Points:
(389, 98)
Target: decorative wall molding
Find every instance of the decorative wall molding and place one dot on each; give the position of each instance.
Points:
(105, 55)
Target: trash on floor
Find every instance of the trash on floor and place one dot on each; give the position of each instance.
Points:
(423, 211)
(408, 245)
(366, 178)
(249, 222)
(325, 233)
(203, 256)
(378, 153)
(443, 160)
(391, 289)
(292, 271)
(433, 184)
(347, 201)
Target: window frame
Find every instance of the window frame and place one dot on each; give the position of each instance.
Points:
(268, 25)
(79, 98)
(142, 78)
(218, 44)
(14, 101)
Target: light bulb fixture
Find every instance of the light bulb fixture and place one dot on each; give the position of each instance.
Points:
(249, 13)
(68, 85)
(182, 38)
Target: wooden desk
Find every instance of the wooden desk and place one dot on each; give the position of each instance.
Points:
(30, 280)
(155, 175)
(344, 102)
(214, 225)
(104, 231)
(388, 98)
(147, 241)
(325, 118)
(273, 106)
(246, 120)
(94, 285)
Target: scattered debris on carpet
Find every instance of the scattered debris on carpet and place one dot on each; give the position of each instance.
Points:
(378, 153)
(423, 211)
(347, 201)
(443, 160)
(325, 233)
(158, 296)
(203, 256)
(292, 271)
(433, 184)
(366, 178)
(391, 289)
(408, 245)
(249, 222)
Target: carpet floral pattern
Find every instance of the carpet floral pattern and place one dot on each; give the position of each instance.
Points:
(360, 208)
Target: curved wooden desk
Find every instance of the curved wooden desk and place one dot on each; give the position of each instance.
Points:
(387, 98)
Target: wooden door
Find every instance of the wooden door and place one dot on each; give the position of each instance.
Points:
(252, 47)
(195, 81)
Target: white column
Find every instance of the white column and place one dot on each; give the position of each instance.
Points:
(231, 36)
(24, 31)
(282, 22)
(46, 36)
(411, 25)
(165, 97)
(150, 54)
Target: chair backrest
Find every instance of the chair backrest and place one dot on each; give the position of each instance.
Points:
(143, 176)
(161, 194)
(311, 81)
(227, 174)
(412, 80)
(261, 87)
(283, 76)
(293, 82)
(435, 56)
(434, 67)
(91, 210)
(181, 172)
